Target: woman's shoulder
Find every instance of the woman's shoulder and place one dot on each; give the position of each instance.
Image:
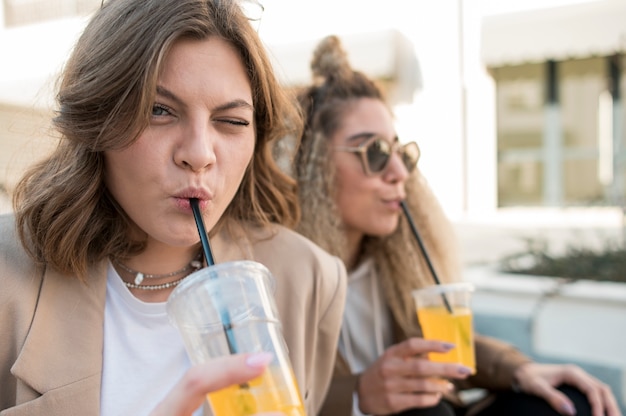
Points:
(289, 245)
(283, 250)
(298, 265)
(305, 274)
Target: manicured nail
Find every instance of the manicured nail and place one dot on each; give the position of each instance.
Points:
(568, 409)
(465, 370)
(449, 387)
(448, 346)
(260, 359)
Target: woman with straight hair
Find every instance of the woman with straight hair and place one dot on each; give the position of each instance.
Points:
(160, 102)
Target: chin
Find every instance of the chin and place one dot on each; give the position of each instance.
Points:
(383, 231)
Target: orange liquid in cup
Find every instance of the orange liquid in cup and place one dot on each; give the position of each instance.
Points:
(272, 391)
(439, 324)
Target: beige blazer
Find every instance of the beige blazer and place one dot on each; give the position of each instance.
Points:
(51, 326)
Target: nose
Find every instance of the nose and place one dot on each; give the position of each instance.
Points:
(396, 171)
(195, 149)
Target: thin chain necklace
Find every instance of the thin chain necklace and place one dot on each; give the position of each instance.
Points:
(193, 265)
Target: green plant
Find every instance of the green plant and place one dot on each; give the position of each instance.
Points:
(607, 264)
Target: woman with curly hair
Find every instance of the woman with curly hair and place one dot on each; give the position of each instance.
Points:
(353, 174)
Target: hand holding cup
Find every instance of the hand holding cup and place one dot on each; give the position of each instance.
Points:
(444, 313)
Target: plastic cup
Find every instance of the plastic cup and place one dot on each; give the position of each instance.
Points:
(229, 308)
(444, 313)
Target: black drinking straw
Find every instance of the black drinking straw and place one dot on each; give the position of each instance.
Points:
(424, 252)
(206, 247)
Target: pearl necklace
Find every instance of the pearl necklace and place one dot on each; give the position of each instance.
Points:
(193, 265)
(154, 287)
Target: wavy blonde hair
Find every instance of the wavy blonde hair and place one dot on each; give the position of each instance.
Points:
(65, 216)
(401, 266)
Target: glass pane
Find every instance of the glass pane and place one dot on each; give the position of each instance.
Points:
(520, 119)
(580, 83)
(520, 183)
(581, 183)
(519, 100)
(586, 109)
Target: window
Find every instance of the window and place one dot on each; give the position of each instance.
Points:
(519, 103)
(569, 152)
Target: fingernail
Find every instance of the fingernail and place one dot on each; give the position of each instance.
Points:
(447, 346)
(449, 387)
(260, 359)
(465, 370)
(568, 409)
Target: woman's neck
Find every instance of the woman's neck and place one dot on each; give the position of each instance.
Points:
(160, 266)
(354, 242)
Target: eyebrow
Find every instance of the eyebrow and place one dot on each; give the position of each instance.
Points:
(367, 135)
(358, 136)
(237, 103)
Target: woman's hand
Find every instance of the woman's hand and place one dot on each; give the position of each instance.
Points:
(189, 393)
(542, 380)
(403, 378)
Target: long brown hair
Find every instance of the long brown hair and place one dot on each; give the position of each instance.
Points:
(65, 216)
(402, 268)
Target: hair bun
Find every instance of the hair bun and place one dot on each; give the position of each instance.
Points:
(330, 60)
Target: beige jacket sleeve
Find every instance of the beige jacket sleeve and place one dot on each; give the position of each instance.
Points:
(310, 296)
(339, 401)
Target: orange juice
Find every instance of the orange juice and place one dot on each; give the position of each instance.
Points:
(439, 324)
(272, 391)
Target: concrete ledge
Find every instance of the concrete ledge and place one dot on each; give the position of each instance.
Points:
(556, 321)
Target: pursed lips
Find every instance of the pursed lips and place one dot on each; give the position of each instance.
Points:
(392, 203)
(182, 198)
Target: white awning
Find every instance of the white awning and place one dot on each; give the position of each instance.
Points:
(384, 54)
(595, 28)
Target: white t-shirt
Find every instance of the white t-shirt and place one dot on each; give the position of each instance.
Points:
(144, 355)
(366, 330)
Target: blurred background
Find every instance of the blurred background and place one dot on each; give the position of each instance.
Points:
(517, 107)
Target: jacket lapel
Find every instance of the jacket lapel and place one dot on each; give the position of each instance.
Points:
(61, 358)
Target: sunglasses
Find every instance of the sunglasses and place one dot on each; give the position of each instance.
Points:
(375, 154)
